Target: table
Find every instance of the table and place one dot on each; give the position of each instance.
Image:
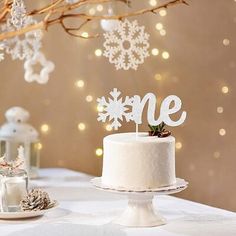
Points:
(85, 211)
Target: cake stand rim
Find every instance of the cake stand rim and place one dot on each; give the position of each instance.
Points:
(180, 185)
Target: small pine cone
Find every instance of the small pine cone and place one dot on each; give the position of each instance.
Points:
(36, 199)
(164, 134)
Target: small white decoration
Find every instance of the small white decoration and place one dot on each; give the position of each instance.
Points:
(127, 45)
(21, 156)
(47, 68)
(22, 47)
(18, 14)
(1, 53)
(18, 163)
(109, 25)
(71, 1)
(116, 109)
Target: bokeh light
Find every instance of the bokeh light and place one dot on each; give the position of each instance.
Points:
(226, 42)
(220, 110)
(98, 52)
(158, 77)
(159, 26)
(222, 132)
(79, 83)
(163, 12)
(178, 145)
(155, 51)
(165, 55)
(99, 152)
(225, 89)
(108, 128)
(81, 126)
(89, 98)
(44, 128)
(152, 3)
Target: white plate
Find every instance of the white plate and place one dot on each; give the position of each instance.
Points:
(179, 185)
(25, 214)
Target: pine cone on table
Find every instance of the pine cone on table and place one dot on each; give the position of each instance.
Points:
(36, 200)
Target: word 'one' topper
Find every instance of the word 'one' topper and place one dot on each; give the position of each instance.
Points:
(116, 109)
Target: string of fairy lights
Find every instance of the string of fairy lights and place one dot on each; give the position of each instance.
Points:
(80, 84)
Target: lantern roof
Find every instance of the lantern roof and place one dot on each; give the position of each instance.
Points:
(16, 128)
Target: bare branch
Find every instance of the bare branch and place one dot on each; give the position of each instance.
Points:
(58, 11)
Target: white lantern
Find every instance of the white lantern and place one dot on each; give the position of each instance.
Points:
(15, 133)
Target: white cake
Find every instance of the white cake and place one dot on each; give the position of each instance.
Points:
(142, 162)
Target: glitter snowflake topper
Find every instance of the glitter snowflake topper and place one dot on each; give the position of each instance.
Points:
(126, 45)
(115, 109)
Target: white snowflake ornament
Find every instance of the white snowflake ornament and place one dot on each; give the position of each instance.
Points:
(127, 45)
(25, 46)
(115, 109)
(43, 76)
(1, 53)
(18, 14)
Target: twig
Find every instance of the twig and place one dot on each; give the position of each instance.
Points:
(59, 11)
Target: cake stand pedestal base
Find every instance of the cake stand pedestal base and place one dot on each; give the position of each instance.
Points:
(140, 213)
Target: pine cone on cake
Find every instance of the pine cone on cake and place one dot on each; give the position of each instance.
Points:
(36, 200)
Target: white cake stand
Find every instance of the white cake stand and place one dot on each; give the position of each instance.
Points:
(140, 211)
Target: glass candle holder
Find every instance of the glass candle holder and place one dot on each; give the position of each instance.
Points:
(13, 187)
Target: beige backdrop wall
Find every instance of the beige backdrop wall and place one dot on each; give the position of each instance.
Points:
(201, 62)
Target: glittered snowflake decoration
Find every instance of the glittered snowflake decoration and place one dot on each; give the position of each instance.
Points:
(18, 14)
(43, 76)
(1, 52)
(127, 45)
(115, 109)
(25, 46)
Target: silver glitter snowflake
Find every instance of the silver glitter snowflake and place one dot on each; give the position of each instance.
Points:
(127, 45)
(25, 46)
(1, 53)
(18, 14)
(115, 109)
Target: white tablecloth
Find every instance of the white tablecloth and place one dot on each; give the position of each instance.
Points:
(85, 211)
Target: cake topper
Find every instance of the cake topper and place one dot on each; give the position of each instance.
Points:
(116, 108)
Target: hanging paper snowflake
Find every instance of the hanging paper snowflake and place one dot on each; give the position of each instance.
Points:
(1, 53)
(43, 76)
(127, 45)
(18, 14)
(25, 46)
(115, 109)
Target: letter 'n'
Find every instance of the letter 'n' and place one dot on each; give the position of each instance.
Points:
(138, 107)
